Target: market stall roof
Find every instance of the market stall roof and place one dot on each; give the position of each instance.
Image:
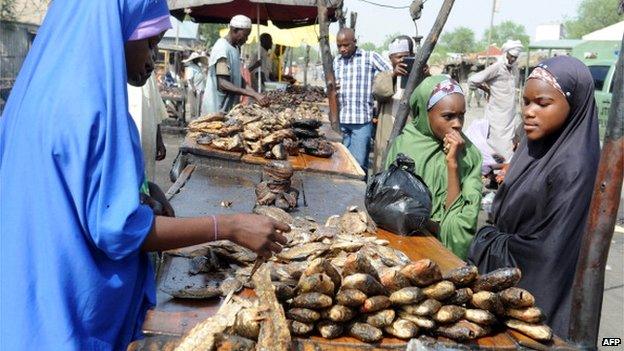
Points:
(283, 13)
(564, 44)
(292, 37)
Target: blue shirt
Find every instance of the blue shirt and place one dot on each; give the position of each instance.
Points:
(356, 74)
(73, 276)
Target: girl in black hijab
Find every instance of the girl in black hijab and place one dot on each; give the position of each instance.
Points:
(541, 209)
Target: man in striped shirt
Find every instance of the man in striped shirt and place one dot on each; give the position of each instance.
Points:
(355, 70)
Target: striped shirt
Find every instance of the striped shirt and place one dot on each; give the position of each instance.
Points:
(356, 74)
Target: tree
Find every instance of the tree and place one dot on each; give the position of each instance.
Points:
(209, 32)
(368, 46)
(460, 40)
(592, 15)
(508, 30)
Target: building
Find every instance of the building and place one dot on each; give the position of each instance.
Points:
(549, 31)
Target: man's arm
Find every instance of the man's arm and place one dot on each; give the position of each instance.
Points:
(480, 80)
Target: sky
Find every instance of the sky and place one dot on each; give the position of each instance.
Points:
(374, 23)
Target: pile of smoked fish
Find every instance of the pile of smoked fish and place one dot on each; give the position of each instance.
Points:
(273, 132)
(338, 279)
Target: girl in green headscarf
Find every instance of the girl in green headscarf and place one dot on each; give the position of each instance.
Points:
(445, 159)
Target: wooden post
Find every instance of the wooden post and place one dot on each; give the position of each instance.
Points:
(340, 14)
(416, 75)
(588, 285)
(353, 19)
(328, 66)
(305, 65)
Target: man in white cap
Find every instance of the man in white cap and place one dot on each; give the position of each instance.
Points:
(388, 88)
(196, 83)
(224, 84)
(499, 82)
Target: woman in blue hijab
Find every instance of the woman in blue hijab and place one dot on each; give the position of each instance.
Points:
(73, 233)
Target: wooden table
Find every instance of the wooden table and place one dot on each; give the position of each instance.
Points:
(341, 163)
(172, 317)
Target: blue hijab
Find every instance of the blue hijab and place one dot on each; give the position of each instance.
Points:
(73, 276)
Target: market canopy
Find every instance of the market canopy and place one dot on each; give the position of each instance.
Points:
(293, 37)
(283, 13)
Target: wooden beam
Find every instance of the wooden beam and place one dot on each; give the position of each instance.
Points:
(328, 66)
(588, 288)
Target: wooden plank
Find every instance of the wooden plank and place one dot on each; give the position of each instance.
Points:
(297, 162)
(341, 162)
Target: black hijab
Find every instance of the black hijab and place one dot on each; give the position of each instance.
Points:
(541, 209)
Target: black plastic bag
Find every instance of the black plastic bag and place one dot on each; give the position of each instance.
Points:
(398, 200)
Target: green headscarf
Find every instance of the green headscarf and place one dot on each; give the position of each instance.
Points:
(459, 222)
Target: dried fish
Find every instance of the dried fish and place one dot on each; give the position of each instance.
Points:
(192, 292)
(350, 297)
(340, 313)
(303, 315)
(322, 265)
(365, 332)
(393, 280)
(229, 342)
(312, 300)
(402, 329)
(302, 252)
(330, 330)
(248, 323)
(460, 297)
(299, 328)
(381, 319)
(363, 282)
(284, 291)
(526, 314)
(358, 263)
(462, 331)
(318, 282)
(230, 285)
(351, 223)
(422, 322)
(274, 212)
(481, 317)
(426, 308)
(517, 297)
(462, 276)
(497, 280)
(375, 303)
(538, 332)
(407, 296)
(317, 147)
(440, 291)
(422, 272)
(487, 300)
(449, 314)
(234, 143)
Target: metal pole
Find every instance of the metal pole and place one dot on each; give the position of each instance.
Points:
(487, 50)
(305, 67)
(588, 288)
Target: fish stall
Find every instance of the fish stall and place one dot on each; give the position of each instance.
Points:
(339, 284)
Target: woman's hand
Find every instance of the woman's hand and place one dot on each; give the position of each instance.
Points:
(260, 234)
(453, 144)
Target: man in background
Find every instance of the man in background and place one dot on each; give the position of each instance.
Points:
(262, 64)
(224, 83)
(499, 82)
(355, 70)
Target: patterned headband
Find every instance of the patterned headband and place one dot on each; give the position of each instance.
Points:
(543, 75)
(442, 89)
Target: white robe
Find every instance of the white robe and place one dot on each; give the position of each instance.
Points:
(148, 111)
(500, 111)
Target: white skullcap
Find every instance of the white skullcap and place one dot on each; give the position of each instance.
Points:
(513, 47)
(240, 21)
(398, 45)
